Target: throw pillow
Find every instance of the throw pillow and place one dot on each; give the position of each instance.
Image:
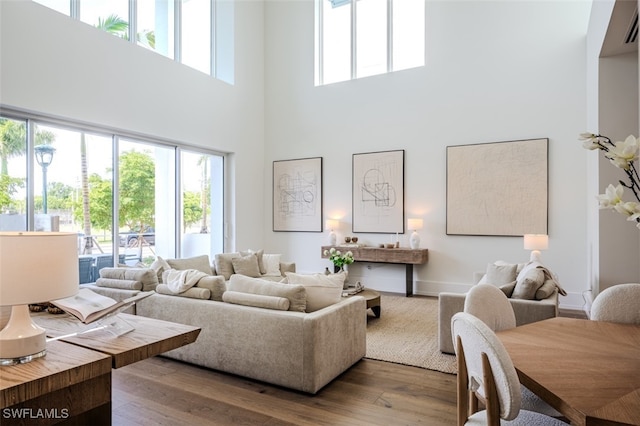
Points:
(192, 293)
(501, 274)
(272, 264)
(259, 254)
(246, 265)
(224, 266)
(528, 282)
(216, 284)
(121, 284)
(507, 289)
(160, 265)
(322, 290)
(295, 293)
(546, 290)
(257, 300)
(200, 263)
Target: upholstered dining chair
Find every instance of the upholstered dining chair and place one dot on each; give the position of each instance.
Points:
(619, 303)
(486, 373)
(490, 305)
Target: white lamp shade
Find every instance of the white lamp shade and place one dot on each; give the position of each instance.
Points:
(37, 267)
(414, 224)
(536, 241)
(331, 224)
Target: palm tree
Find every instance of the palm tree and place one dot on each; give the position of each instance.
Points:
(13, 138)
(117, 26)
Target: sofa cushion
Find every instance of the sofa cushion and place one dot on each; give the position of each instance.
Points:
(529, 280)
(246, 265)
(256, 300)
(224, 266)
(272, 264)
(200, 263)
(192, 293)
(146, 276)
(216, 285)
(322, 290)
(295, 293)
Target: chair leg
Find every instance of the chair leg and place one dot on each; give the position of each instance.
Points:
(491, 393)
(462, 385)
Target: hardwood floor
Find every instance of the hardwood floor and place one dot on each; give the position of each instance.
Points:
(162, 391)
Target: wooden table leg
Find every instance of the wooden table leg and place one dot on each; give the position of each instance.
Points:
(409, 278)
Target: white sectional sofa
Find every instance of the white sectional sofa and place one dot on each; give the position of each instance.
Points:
(275, 340)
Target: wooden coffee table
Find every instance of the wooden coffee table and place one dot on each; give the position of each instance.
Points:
(372, 298)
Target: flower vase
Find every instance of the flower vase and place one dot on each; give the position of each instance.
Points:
(344, 269)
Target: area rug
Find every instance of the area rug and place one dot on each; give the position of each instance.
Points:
(407, 333)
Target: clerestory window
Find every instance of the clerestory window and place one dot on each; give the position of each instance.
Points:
(361, 38)
(196, 33)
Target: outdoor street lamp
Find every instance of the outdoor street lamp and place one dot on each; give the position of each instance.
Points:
(44, 157)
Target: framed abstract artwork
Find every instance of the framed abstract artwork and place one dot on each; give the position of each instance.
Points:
(297, 195)
(498, 188)
(378, 192)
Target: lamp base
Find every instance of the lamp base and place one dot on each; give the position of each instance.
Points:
(21, 341)
(332, 238)
(535, 256)
(414, 241)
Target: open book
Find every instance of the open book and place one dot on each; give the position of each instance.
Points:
(89, 306)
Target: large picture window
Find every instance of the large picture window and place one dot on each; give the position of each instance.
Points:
(58, 177)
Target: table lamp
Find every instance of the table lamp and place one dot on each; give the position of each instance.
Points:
(331, 225)
(535, 243)
(415, 224)
(35, 267)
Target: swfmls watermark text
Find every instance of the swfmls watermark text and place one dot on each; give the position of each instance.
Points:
(35, 413)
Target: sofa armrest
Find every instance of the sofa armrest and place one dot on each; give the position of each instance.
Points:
(116, 294)
(335, 339)
(448, 305)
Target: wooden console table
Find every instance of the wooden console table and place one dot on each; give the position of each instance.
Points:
(406, 256)
(70, 384)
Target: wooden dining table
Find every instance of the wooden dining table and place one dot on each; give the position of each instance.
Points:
(587, 370)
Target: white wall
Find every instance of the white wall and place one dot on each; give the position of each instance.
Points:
(612, 110)
(57, 66)
(496, 71)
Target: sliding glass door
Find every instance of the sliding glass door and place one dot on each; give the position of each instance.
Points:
(153, 199)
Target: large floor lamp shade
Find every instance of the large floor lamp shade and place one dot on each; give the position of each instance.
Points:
(35, 267)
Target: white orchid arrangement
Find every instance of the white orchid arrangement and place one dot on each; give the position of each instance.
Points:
(338, 258)
(622, 155)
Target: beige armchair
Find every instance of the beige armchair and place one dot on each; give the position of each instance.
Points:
(526, 311)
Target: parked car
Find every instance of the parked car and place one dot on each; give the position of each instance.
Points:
(130, 239)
